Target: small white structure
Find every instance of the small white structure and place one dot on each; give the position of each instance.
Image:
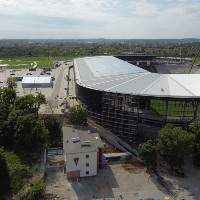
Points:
(36, 82)
(117, 156)
(53, 158)
(83, 152)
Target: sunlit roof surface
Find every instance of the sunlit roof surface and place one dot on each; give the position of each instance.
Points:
(109, 65)
(107, 73)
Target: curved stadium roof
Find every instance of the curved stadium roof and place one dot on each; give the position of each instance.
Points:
(107, 73)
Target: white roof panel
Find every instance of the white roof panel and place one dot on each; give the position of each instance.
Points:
(35, 79)
(177, 89)
(28, 79)
(158, 87)
(190, 82)
(43, 79)
(109, 65)
(107, 73)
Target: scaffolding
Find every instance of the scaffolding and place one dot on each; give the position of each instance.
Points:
(129, 115)
(120, 115)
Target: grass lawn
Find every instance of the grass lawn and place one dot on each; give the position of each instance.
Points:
(27, 62)
(197, 60)
(175, 109)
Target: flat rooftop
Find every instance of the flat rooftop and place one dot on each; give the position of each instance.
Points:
(80, 141)
(54, 155)
(107, 73)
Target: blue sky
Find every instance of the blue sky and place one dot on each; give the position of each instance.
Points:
(117, 19)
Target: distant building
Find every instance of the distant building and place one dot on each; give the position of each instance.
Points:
(83, 152)
(14, 43)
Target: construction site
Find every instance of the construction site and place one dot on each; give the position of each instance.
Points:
(116, 113)
(132, 101)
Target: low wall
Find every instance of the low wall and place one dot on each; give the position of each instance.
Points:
(111, 138)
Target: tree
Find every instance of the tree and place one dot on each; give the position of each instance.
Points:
(19, 172)
(5, 182)
(36, 191)
(11, 82)
(12, 108)
(29, 103)
(195, 128)
(53, 125)
(176, 144)
(78, 115)
(39, 100)
(30, 133)
(148, 152)
(7, 97)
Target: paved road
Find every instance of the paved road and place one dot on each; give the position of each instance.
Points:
(57, 85)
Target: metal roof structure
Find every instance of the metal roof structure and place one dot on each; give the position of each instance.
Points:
(107, 73)
(36, 79)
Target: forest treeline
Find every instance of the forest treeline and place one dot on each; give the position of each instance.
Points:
(93, 49)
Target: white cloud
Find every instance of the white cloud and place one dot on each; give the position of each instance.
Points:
(100, 18)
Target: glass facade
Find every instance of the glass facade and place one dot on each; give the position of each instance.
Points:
(127, 115)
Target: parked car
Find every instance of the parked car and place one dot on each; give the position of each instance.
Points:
(12, 73)
(48, 73)
(45, 69)
(32, 69)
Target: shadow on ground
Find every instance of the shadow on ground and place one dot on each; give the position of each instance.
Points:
(96, 187)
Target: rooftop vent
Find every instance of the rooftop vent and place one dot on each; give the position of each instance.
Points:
(85, 143)
(75, 140)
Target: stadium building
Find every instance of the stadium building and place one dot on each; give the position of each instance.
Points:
(131, 101)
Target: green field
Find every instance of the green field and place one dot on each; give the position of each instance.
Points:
(28, 62)
(175, 109)
(197, 60)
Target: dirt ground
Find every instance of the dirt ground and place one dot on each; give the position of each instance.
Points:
(112, 182)
(56, 185)
(187, 187)
(126, 181)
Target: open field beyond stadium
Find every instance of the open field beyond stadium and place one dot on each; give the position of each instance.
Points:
(28, 62)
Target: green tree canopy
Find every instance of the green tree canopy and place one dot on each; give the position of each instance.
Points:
(195, 128)
(53, 125)
(11, 82)
(18, 171)
(176, 144)
(30, 133)
(148, 151)
(78, 115)
(4, 183)
(7, 97)
(29, 103)
(36, 191)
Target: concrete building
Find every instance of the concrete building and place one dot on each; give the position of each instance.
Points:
(83, 152)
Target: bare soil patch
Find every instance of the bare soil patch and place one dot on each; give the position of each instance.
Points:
(132, 167)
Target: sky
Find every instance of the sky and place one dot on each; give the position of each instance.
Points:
(92, 19)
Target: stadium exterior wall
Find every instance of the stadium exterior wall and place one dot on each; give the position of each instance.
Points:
(133, 115)
(129, 116)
